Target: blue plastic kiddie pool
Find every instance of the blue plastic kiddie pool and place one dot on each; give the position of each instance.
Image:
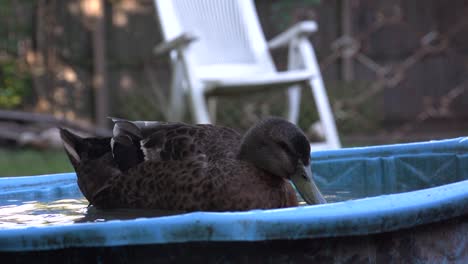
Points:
(404, 202)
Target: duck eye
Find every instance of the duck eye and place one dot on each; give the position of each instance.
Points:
(285, 147)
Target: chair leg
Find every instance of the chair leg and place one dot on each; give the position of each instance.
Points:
(325, 113)
(199, 106)
(320, 95)
(212, 108)
(176, 104)
(294, 92)
(294, 103)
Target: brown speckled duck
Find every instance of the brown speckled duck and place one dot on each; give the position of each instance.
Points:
(177, 166)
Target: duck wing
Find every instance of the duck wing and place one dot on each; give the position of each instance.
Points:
(181, 141)
(137, 141)
(166, 165)
(125, 143)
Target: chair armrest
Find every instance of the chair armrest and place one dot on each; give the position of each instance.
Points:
(299, 29)
(175, 43)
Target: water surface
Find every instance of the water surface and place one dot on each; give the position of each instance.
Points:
(34, 213)
(18, 214)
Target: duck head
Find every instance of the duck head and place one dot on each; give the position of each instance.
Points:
(281, 149)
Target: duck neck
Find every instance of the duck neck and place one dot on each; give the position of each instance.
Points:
(247, 148)
(254, 151)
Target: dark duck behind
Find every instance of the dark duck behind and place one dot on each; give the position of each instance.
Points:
(177, 166)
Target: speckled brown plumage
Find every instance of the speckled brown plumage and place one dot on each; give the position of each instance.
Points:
(176, 166)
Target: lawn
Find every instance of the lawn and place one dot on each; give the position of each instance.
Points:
(25, 162)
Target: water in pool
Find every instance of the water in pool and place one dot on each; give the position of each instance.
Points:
(34, 213)
(17, 214)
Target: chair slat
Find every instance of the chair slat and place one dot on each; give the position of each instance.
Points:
(219, 27)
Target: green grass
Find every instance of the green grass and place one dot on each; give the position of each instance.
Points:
(25, 162)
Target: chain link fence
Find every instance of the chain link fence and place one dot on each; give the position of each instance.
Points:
(429, 75)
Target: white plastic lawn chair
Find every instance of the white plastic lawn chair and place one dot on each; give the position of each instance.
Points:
(217, 47)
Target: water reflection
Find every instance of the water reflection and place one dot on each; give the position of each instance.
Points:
(66, 212)
(69, 211)
(34, 213)
(331, 196)
(96, 215)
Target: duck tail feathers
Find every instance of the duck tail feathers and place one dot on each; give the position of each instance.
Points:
(71, 144)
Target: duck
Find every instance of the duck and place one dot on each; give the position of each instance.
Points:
(194, 167)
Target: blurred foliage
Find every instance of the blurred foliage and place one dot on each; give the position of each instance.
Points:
(137, 105)
(15, 25)
(285, 10)
(15, 84)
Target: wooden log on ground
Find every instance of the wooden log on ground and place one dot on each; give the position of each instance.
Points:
(28, 117)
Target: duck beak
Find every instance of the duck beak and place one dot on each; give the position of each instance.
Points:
(306, 186)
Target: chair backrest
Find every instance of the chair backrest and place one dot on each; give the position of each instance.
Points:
(228, 32)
